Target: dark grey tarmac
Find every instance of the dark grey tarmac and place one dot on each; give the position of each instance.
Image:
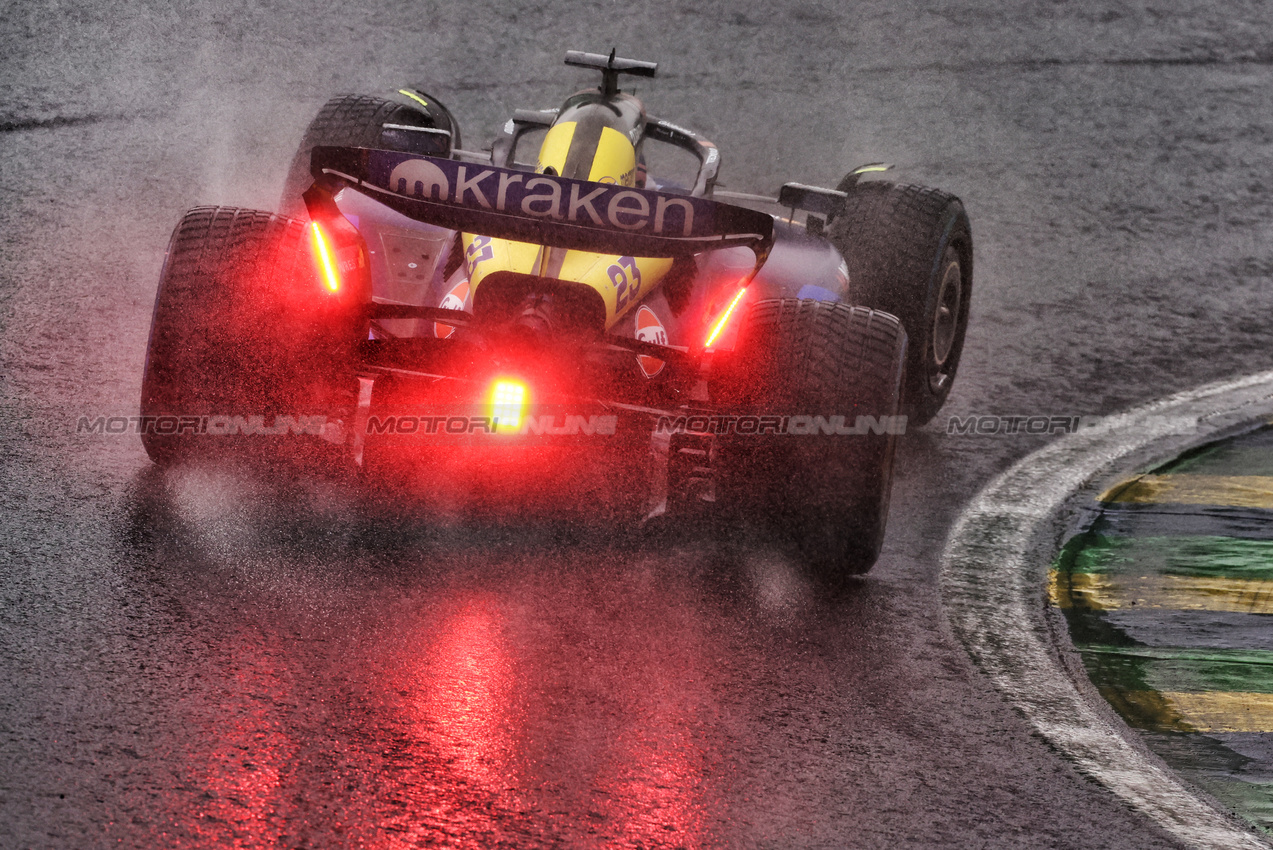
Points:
(205, 658)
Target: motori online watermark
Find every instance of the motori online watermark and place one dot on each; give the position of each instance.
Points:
(798, 425)
(259, 425)
(1038, 424)
(262, 425)
(547, 424)
(558, 424)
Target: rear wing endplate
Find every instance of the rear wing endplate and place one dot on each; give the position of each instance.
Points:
(543, 209)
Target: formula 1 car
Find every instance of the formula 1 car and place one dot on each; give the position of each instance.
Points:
(573, 321)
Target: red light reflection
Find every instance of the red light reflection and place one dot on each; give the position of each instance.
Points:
(463, 694)
(240, 772)
(444, 729)
(654, 789)
(462, 724)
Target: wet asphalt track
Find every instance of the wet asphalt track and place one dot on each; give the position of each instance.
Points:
(204, 658)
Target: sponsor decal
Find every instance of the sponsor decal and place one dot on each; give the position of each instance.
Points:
(479, 251)
(456, 299)
(545, 209)
(543, 196)
(650, 329)
(420, 178)
(678, 128)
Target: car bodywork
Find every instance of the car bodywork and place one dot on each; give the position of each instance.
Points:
(469, 319)
(644, 281)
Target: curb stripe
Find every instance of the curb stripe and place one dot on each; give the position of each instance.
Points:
(1194, 713)
(1180, 521)
(1224, 712)
(1247, 491)
(1099, 592)
(1160, 653)
(992, 576)
(1134, 669)
(1192, 576)
(1199, 555)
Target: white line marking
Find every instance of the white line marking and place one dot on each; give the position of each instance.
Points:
(993, 586)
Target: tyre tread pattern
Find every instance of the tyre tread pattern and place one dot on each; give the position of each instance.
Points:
(814, 358)
(887, 234)
(236, 329)
(348, 120)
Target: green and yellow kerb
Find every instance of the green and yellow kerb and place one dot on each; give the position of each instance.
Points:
(1169, 599)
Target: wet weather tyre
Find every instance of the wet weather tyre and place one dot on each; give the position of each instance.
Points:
(352, 120)
(909, 253)
(810, 362)
(245, 357)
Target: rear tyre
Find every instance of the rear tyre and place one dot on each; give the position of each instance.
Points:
(909, 253)
(356, 120)
(242, 336)
(814, 359)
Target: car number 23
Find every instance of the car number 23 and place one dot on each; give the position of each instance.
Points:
(626, 278)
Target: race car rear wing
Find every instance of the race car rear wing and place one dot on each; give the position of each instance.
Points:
(542, 209)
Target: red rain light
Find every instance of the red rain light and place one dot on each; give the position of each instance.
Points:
(508, 402)
(724, 318)
(326, 259)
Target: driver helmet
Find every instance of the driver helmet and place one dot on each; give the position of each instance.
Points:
(593, 139)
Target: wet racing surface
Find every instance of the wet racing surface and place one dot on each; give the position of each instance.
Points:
(210, 657)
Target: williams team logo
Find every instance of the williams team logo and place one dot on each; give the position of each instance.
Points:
(420, 178)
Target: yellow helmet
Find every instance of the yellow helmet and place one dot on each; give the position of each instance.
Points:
(594, 139)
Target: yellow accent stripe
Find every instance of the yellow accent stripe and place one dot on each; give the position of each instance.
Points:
(555, 147)
(1102, 592)
(324, 258)
(414, 97)
(1055, 598)
(1241, 491)
(1221, 711)
(614, 159)
(724, 318)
